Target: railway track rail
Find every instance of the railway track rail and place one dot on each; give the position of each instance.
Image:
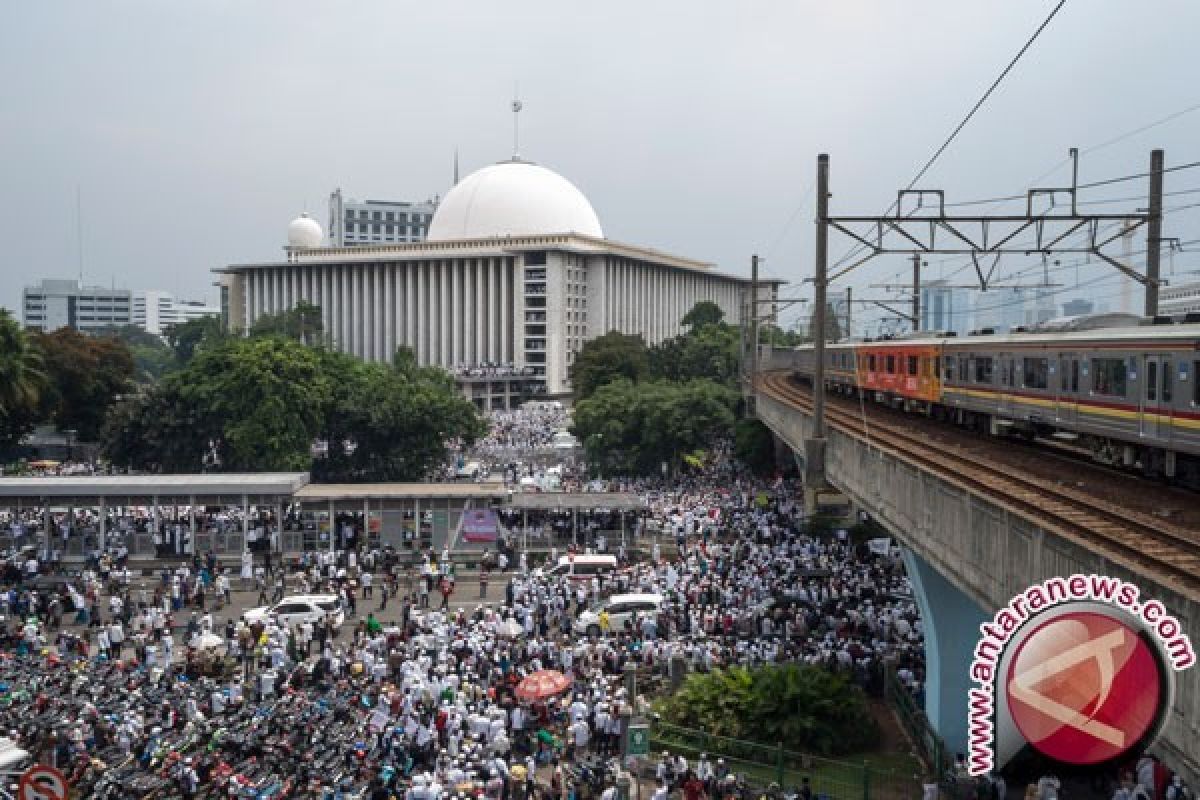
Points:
(1170, 553)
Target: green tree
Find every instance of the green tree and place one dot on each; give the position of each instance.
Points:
(634, 428)
(260, 403)
(801, 707)
(606, 358)
(778, 337)
(85, 377)
(22, 381)
(391, 423)
(754, 446)
(302, 323)
(152, 357)
(185, 338)
(703, 314)
(833, 328)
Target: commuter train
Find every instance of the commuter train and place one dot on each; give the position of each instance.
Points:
(1125, 389)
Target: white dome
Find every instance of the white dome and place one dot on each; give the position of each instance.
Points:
(512, 198)
(304, 231)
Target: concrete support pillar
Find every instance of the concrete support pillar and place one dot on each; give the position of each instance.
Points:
(951, 622)
(192, 520)
(332, 528)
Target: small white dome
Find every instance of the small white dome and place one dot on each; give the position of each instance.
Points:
(304, 231)
(512, 198)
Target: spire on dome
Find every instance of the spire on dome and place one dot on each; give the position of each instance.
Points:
(516, 108)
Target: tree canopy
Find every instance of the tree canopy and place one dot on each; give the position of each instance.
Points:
(22, 381)
(704, 313)
(634, 428)
(606, 358)
(302, 323)
(85, 375)
(259, 403)
(185, 338)
(152, 357)
(801, 707)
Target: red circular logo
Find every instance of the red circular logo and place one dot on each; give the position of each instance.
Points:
(1084, 688)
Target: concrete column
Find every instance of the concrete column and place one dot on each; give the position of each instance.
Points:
(192, 520)
(478, 318)
(951, 622)
(444, 312)
(245, 523)
(389, 312)
(410, 313)
(454, 345)
(490, 305)
(506, 323)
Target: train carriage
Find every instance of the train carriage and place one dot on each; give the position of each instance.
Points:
(1128, 393)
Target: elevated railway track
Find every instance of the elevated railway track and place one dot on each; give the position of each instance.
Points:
(1144, 543)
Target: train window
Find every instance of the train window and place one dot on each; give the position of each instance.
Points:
(912, 365)
(963, 374)
(871, 362)
(1183, 376)
(1074, 375)
(983, 369)
(948, 369)
(891, 365)
(1035, 370)
(1108, 376)
(1166, 382)
(1151, 380)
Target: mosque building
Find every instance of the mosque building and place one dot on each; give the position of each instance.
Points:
(514, 275)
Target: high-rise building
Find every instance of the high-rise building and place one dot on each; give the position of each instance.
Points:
(155, 311)
(55, 304)
(944, 307)
(514, 276)
(355, 224)
(1182, 298)
(1078, 307)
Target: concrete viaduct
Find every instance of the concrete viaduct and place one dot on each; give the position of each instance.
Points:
(967, 557)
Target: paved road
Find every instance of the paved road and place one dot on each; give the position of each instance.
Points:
(466, 596)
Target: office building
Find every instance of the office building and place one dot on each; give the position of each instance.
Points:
(1078, 307)
(943, 307)
(1179, 299)
(155, 311)
(515, 273)
(55, 304)
(372, 222)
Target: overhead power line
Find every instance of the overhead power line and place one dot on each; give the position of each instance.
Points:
(958, 128)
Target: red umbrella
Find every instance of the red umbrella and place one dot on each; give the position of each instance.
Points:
(542, 684)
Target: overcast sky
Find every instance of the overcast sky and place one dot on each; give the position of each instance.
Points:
(195, 131)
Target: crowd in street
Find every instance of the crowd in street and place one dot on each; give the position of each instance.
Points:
(136, 689)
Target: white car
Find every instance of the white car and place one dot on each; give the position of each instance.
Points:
(299, 608)
(620, 608)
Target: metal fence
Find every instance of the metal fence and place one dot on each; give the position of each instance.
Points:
(765, 764)
(930, 747)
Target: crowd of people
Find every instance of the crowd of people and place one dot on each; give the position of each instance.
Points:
(411, 692)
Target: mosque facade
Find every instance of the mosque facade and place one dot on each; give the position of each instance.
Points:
(514, 276)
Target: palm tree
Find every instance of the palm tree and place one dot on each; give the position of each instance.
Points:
(21, 375)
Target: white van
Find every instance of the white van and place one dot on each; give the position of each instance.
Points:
(621, 608)
(583, 567)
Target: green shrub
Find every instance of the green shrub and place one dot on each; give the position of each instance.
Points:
(804, 708)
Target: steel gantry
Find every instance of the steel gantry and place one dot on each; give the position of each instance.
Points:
(919, 226)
